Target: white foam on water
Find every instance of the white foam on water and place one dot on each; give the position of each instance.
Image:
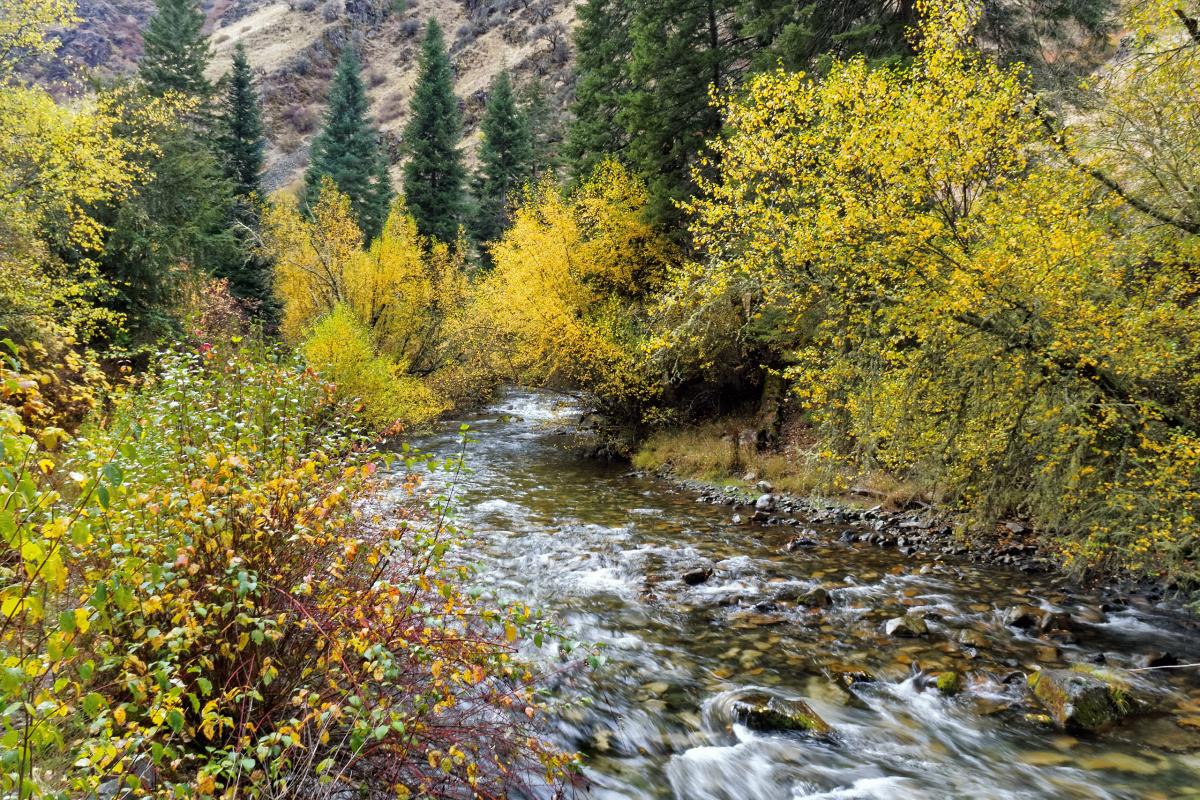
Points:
(603, 579)
(501, 507)
(889, 788)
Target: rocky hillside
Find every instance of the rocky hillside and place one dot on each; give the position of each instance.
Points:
(294, 47)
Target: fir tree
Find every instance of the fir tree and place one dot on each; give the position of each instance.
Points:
(602, 47)
(505, 159)
(241, 137)
(176, 50)
(242, 145)
(348, 150)
(434, 174)
(545, 128)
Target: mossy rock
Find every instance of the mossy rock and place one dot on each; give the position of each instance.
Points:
(763, 712)
(949, 683)
(1077, 700)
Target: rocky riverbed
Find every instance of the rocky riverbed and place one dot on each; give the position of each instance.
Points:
(788, 650)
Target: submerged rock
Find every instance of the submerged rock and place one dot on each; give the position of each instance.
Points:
(696, 577)
(910, 625)
(1079, 700)
(762, 712)
(949, 683)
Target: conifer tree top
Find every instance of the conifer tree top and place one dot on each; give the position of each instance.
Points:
(242, 130)
(347, 150)
(176, 50)
(434, 173)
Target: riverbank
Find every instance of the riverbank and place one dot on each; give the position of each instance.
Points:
(757, 660)
(783, 485)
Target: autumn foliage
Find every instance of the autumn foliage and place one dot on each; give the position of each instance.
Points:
(209, 594)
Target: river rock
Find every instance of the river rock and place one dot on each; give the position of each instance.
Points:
(949, 683)
(765, 487)
(762, 712)
(1156, 658)
(908, 626)
(697, 576)
(817, 597)
(1078, 700)
(972, 638)
(765, 502)
(1023, 616)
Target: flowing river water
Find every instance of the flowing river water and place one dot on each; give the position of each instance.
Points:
(604, 552)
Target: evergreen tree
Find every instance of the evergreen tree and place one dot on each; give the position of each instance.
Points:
(241, 137)
(545, 128)
(505, 159)
(242, 144)
(348, 150)
(174, 224)
(176, 50)
(434, 174)
(681, 49)
(602, 47)
(643, 90)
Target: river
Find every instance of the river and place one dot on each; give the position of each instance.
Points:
(604, 552)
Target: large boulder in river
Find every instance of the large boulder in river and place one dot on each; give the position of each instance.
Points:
(1079, 699)
(763, 712)
(910, 625)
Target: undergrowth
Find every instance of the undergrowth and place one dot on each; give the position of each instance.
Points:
(203, 597)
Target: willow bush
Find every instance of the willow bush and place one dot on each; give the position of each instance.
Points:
(200, 598)
(954, 300)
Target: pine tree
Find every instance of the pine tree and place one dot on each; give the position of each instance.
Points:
(176, 50)
(241, 137)
(545, 128)
(241, 145)
(505, 159)
(348, 150)
(602, 47)
(681, 50)
(434, 174)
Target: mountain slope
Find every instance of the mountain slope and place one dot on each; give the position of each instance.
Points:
(294, 45)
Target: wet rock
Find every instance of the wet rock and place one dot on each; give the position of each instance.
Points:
(765, 502)
(847, 675)
(908, 626)
(697, 576)
(817, 597)
(1156, 658)
(737, 519)
(1078, 700)
(762, 712)
(807, 538)
(1120, 762)
(972, 638)
(949, 683)
(1047, 652)
(1023, 616)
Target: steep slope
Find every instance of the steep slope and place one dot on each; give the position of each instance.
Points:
(294, 45)
(295, 50)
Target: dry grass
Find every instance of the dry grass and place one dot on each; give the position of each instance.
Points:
(711, 452)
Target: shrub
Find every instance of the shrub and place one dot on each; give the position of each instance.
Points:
(340, 349)
(211, 612)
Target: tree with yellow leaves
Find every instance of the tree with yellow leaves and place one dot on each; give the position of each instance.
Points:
(399, 290)
(570, 278)
(949, 297)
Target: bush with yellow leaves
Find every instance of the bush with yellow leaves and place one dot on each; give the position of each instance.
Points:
(196, 603)
(952, 300)
(390, 300)
(564, 301)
